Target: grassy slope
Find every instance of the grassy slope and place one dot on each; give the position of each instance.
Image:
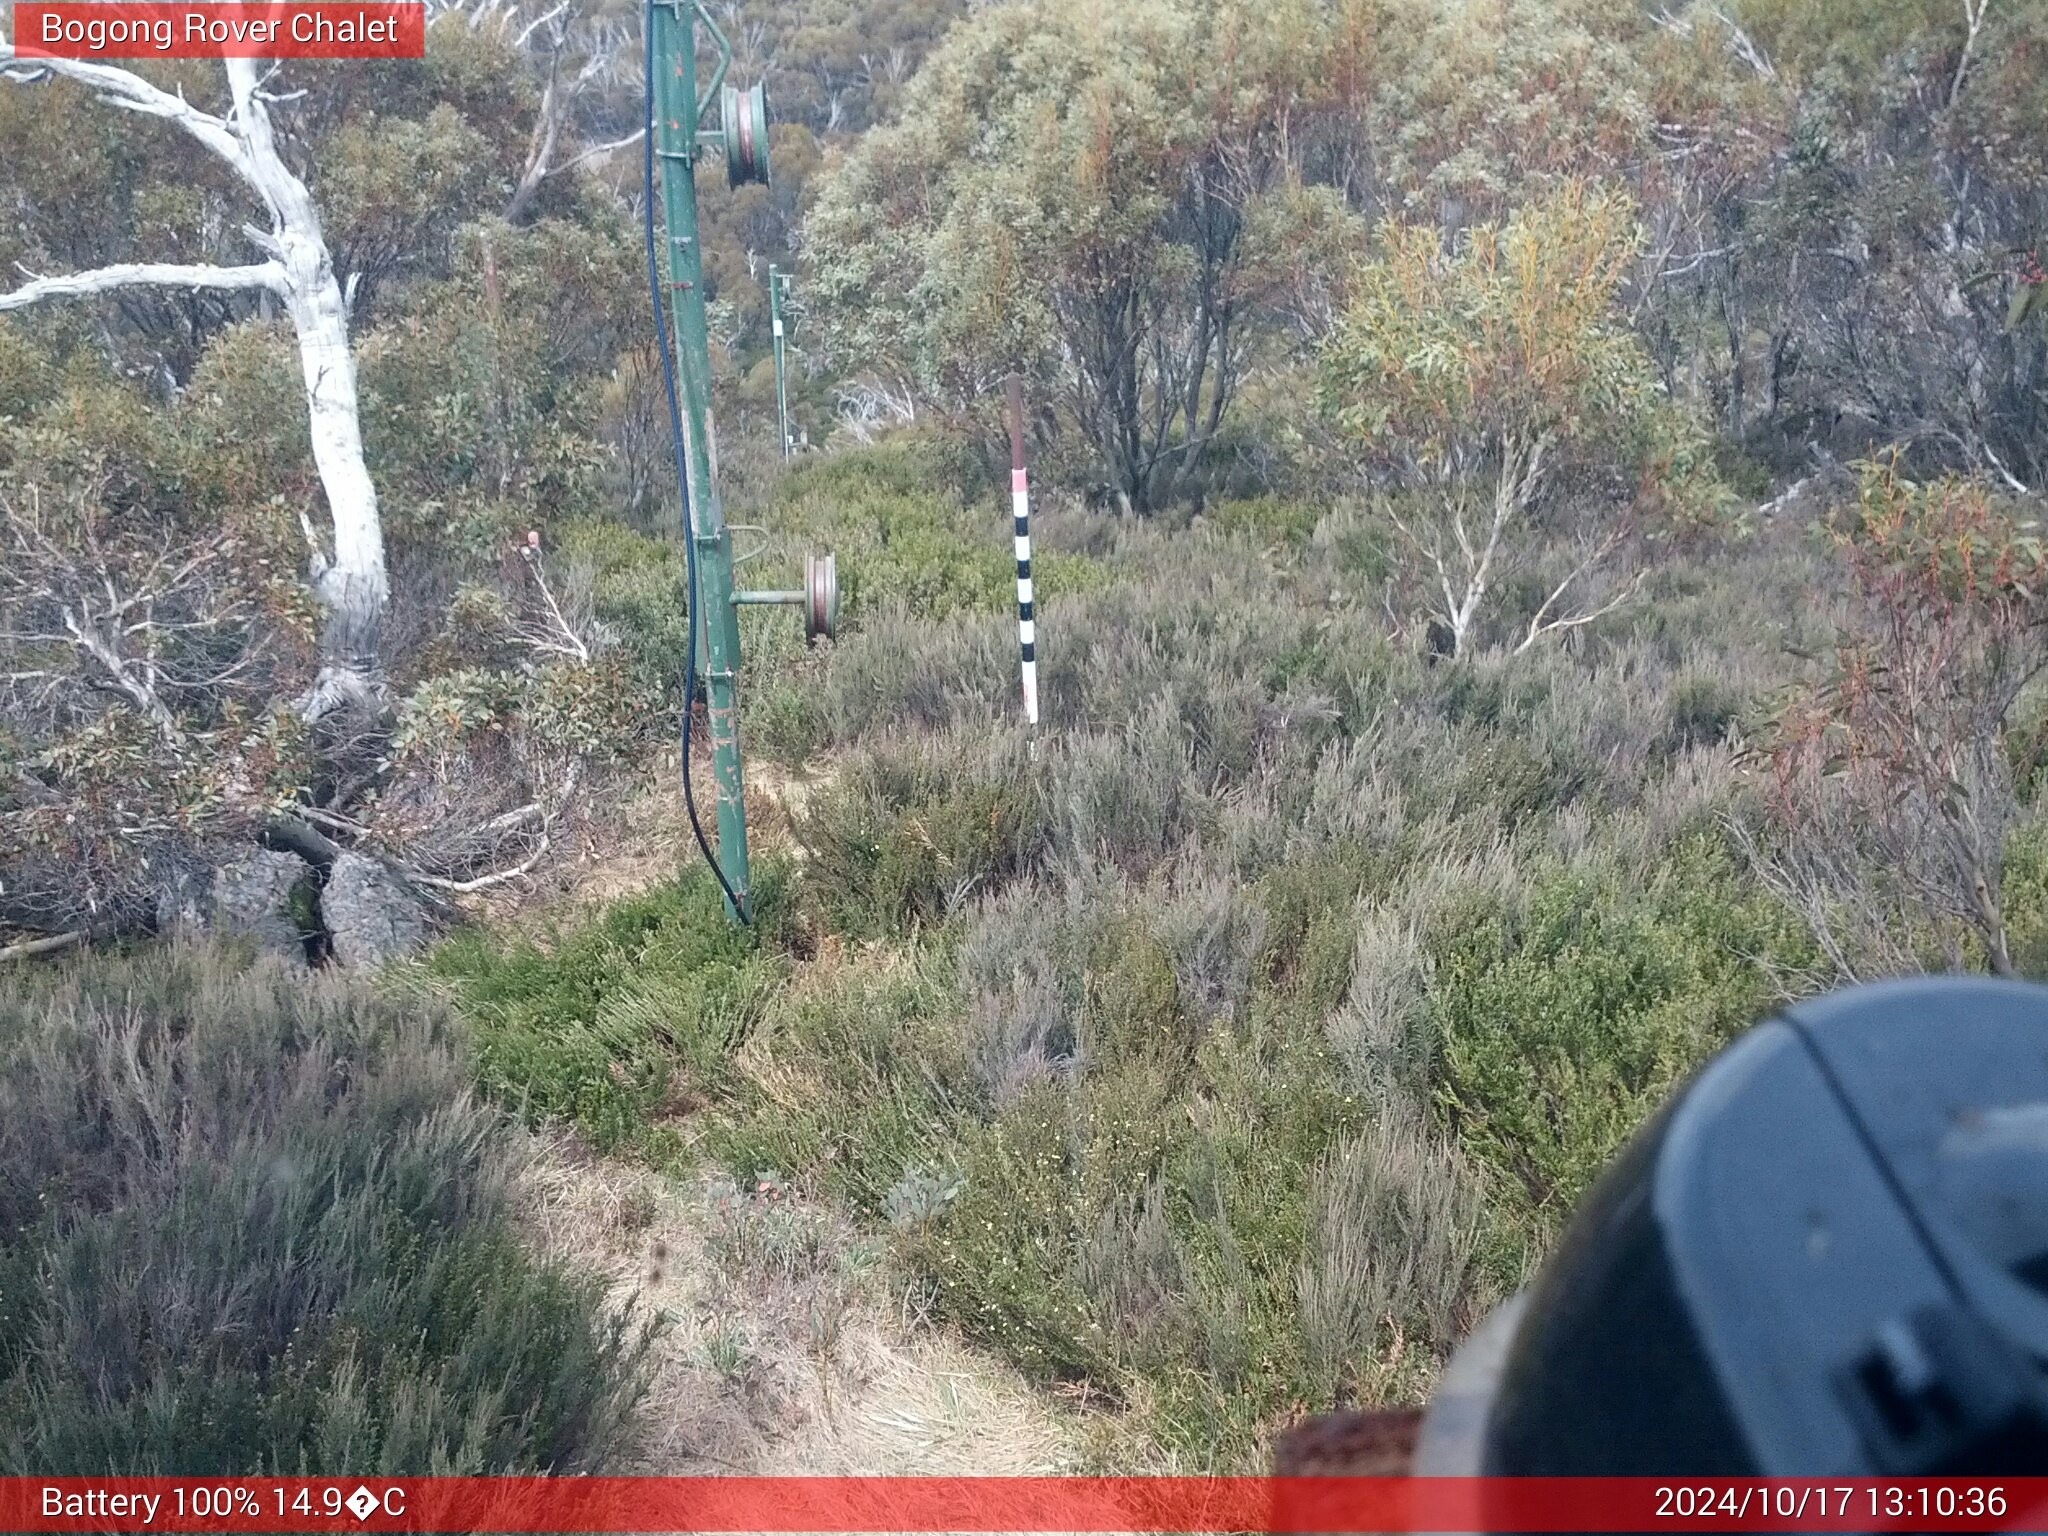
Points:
(1231, 1052)
(255, 1223)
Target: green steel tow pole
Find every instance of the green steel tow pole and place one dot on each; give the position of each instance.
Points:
(743, 135)
(778, 282)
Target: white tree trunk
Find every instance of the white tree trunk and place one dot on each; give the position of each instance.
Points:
(352, 583)
(350, 580)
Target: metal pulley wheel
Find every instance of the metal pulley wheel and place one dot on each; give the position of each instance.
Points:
(743, 116)
(821, 596)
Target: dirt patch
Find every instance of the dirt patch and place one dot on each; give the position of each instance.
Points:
(644, 840)
(786, 1346)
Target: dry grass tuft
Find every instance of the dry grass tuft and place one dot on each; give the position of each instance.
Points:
(785, 1348)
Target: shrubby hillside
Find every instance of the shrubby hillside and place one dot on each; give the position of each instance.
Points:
(252, 1223)
(1232, 1050)
(1538, 563)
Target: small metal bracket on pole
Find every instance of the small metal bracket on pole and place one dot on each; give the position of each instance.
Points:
(778, 284)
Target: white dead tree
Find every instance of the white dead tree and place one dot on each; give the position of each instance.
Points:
(1468, 542)
(1466, 556)
(348, 572)
(1974, 14)
(605, 57)
(146, 623)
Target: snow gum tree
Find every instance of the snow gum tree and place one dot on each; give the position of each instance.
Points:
(264, 483)
(347, 569)
(1066, 191)
(1504, 411)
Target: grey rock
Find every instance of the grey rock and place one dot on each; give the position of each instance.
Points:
(260, 895)
(373, 913)
(184, 903)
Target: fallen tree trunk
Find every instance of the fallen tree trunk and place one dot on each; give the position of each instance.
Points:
(28, 949)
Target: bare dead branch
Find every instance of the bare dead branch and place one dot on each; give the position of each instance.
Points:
(1974, 12)
(485, 882)
(1544, 622)
(72, 285)
(560, 637)
(130, 91)
(598, 152)
(29, 949)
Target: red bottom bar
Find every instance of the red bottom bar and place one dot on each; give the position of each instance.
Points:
(1023, 1504)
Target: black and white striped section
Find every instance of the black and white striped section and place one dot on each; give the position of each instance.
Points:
(1027, 622)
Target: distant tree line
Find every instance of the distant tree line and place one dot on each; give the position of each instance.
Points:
(1155, 209)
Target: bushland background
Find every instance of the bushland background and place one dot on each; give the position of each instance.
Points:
(1538, 563)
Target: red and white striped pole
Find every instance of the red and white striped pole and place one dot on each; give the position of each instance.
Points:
(1020, 508)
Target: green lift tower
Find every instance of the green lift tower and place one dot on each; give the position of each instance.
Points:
(678, 137)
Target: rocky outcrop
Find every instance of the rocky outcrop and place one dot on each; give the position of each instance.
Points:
(372, 912)
(363, 914)
(263, 895)
(184, 902)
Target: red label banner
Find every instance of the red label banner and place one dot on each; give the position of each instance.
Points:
(1022, 1504)
(218, 29)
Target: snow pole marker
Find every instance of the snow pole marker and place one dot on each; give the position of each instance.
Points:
(1020, 509)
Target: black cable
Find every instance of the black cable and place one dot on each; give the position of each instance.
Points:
(675, 422)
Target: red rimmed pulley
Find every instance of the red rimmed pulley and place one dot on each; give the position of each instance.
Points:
(821, 596)
(743, 117)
